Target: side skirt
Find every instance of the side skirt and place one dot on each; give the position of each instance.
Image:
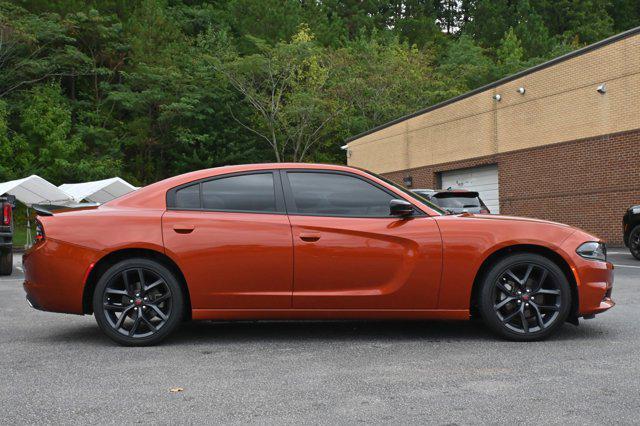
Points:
(319, 314)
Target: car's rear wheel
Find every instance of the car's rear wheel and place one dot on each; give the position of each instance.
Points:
(6, 262)
(524, 297)
(138, 302)
(634, 242)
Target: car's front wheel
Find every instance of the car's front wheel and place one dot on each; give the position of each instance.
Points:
(524, 297)
(634, 242)
(138, 302)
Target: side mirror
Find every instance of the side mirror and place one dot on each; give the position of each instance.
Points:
(400, 208)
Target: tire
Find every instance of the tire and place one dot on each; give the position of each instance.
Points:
(634, 242)
(6, 262)
(507, 299)
(151, 312)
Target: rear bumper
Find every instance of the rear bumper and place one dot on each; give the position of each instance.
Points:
(54, 276)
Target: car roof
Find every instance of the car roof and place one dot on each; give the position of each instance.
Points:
(153, 196)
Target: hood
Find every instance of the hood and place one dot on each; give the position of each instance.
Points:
(512, 218)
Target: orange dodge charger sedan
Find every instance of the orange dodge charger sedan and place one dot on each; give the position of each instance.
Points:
(304, 241)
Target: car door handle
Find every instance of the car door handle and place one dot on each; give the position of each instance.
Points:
(310, 238)
(183, 228)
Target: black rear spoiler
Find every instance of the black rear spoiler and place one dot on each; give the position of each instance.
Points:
(50, 209)
(41, 211)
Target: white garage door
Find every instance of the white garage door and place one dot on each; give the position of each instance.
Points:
(484, 180)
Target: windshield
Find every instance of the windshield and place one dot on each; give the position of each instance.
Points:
(408, 192)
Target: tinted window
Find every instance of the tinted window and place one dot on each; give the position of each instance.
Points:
(426, 194)
(336, 194)
(458, 200)
(253, 192)
(188, 197)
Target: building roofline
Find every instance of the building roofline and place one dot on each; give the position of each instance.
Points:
(547, 64)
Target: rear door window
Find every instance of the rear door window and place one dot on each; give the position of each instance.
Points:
(188, 197)
(251, 193)
(248, 192)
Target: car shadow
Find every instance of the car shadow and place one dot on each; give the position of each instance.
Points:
(291, 332)
(354, 331)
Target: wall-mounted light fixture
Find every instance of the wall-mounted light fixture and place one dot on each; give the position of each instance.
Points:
(521, 90)
(497, 98)
(602, 89)
(408, 181)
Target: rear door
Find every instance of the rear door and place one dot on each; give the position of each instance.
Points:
(232, 240)
(350, 254)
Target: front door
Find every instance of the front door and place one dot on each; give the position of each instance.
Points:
(350, 254)
(232, 240)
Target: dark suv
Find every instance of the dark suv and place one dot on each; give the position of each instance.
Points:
(455, 200)
(631, 230)
(7, 203)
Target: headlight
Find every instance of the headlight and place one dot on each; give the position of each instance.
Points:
(593, 251)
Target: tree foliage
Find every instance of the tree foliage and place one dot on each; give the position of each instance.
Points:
(152, 88)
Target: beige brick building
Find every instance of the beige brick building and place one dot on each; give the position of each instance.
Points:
(559, 141)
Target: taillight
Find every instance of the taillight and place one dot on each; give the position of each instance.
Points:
(39, 231)
(6, 214)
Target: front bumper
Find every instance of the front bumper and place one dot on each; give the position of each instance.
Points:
(595, 286)
(593, 278)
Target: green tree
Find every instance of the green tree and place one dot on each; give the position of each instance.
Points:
(284, 86)
(491, 20)
(532, 31)
(152, 88)
(584, 21)
(465, 65)
(45, 122)
(510, 55)
(379, 79)
(625, 14)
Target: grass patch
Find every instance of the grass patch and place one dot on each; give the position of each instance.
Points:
(20, 235)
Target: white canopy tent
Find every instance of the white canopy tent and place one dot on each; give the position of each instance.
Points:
(99, 191)
(35, 190)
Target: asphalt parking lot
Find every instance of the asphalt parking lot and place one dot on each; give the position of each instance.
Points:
(61, 369)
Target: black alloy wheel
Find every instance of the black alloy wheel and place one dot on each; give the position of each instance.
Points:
(138, 302)
(525, 297)
(634, 242)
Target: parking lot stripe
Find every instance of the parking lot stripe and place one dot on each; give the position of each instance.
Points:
(626, 266)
